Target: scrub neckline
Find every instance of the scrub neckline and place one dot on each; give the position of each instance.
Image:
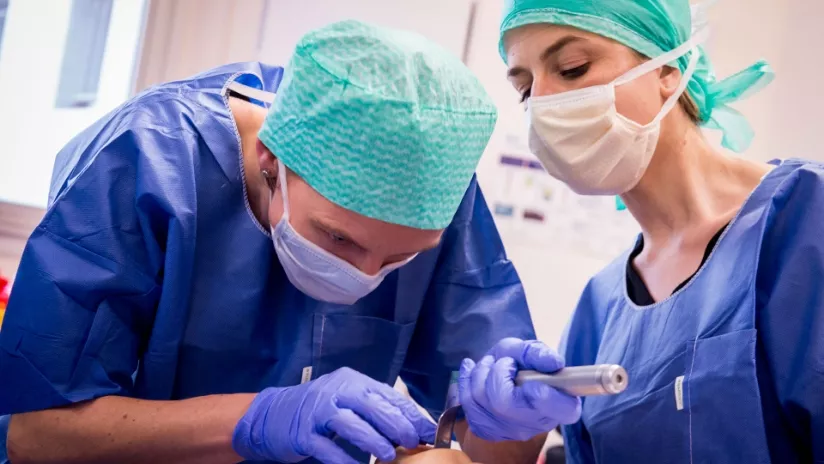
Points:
(719, 243)
(246, 203)
(639, 291)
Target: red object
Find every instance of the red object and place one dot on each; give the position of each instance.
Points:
(4, 291)
(534, 215)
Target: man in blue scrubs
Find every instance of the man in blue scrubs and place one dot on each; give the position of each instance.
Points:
(215, 282)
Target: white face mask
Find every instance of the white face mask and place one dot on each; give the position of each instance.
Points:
(583, 141)
(313, 270)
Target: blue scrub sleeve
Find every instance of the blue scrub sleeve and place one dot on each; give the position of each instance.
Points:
(474, 299)
(790, 316)
(83, 302)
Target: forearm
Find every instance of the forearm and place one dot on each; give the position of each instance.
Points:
(128, 430)
(509, 452)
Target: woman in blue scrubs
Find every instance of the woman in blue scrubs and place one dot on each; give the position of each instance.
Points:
(717, 311)
(214, 282)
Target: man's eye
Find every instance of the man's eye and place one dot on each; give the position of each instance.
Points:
(525, 95)
(337, 238)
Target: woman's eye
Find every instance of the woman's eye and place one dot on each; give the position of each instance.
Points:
(574, 73)
(525, 95)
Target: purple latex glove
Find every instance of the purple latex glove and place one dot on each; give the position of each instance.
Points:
(292, 423)
(497, 410)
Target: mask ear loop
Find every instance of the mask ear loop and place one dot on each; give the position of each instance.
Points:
(682, 87)
(284, 190)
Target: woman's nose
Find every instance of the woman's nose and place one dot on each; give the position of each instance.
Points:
(543, 85)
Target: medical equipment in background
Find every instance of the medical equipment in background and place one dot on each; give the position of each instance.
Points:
(599, 379)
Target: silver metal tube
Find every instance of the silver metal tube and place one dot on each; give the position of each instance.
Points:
(600, 379)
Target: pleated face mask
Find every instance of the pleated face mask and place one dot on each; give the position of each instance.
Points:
(313, 270)
(583, 141)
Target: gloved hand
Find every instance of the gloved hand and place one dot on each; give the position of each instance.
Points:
(292, 423)
(497, 410)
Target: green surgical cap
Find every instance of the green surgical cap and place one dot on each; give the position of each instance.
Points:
(653, 27)
(381, 122)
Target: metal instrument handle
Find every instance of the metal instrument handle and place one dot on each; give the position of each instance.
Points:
(599, 379)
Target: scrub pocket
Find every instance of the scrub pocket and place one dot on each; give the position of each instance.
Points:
(370, 345)
(722, 400)
(700, 405)
(644, 423)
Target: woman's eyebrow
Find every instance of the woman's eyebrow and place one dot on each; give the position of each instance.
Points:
(548, 53)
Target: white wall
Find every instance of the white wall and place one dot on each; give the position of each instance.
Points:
(789, 115)
(442, 21)
(32, 130)
(744, 31)
(187, 36)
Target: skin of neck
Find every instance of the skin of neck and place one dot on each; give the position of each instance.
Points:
(690, 189)
(249, 119)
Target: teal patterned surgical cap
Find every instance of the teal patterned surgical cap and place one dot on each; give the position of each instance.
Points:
(653, 27)
(381, 122)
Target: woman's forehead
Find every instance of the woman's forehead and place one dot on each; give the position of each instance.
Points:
(532, 40)
(543, 32)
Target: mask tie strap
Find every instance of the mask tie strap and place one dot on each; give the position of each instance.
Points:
(697, 39)
(737, 132)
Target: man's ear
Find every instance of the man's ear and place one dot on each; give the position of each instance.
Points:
(268, 163)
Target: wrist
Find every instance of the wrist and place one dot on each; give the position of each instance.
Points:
(250, 439)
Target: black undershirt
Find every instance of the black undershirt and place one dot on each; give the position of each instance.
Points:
(239, 96)
(637, 289)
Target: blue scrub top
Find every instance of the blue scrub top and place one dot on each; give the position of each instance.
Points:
(149, 277)
(730, 368)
